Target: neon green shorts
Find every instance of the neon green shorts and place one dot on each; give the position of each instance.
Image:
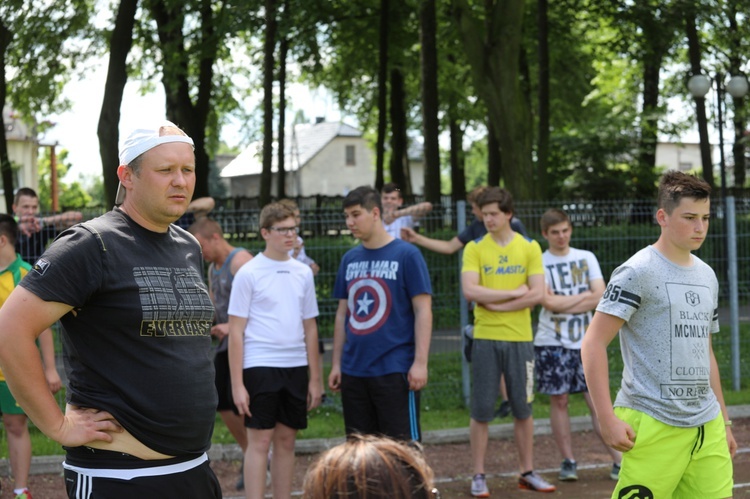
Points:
(669, 462)
(8, 404)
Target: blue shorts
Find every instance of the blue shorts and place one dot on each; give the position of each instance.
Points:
(559, 370)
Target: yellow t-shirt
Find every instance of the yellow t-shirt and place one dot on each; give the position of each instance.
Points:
(9, 279)
(503, 268)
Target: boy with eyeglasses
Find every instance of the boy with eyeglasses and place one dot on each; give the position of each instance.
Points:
(383, 326)
(273, 342)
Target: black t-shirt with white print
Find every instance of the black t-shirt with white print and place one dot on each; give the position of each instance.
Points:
(137, 343)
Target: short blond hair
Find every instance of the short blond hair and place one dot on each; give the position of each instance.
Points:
(370, 467)
(274, 212)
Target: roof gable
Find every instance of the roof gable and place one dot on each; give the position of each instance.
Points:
(301, 144)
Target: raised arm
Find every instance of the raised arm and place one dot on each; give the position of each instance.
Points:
(63, 220)
(201, 206)
(600, 333)
(416, 211)
(437, 245)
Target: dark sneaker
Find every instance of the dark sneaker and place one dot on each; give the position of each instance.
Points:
(532, 481)
(615, 473)
(568, 471)
(479, 486)
(503, 410)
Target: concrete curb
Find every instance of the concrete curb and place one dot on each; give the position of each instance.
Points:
(231, 452)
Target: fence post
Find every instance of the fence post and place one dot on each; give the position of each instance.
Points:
(734, 314)
(463, 306)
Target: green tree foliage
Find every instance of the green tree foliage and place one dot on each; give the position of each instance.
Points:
(575, 93)
(38, 53)
(71, 195)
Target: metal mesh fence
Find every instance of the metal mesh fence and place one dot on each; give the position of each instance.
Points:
(613, 230)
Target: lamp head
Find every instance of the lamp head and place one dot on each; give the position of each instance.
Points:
(699, 85)
(737, 86)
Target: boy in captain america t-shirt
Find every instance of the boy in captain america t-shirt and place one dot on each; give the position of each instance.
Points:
(383, 325)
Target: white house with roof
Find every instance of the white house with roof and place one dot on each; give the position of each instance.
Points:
(23, 151)
(328, 158)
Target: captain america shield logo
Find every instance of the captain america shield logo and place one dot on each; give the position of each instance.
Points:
(369, 305)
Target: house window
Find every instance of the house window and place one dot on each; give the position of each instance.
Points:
(350, 161)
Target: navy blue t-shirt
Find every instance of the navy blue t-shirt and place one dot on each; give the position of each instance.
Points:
(379, 285)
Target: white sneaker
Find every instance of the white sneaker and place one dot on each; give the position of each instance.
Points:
(479, 486)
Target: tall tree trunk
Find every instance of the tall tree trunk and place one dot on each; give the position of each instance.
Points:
(493, 49)
(382, 95)
(694, 54)
(192, 117)
(740, 142)
(399, 143)
(281, 139)
(268, 67)
(457, 157)
(430, 122)
(5, 167)
(120, 44)
(494, 156)
(543, 134)
(645, 169)
(740, 116)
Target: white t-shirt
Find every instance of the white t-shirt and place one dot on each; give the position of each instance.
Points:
(394, 228)
(275, 297)
(569, 275)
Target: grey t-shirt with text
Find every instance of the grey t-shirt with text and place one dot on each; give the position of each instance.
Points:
(670, 312)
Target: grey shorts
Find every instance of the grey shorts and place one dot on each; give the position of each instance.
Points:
(490, 360)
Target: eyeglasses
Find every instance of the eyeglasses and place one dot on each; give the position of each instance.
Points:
(285, 231)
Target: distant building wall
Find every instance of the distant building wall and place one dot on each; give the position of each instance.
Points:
(675, 156)
(328, 173)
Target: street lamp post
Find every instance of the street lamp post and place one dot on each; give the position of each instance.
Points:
(737, 87)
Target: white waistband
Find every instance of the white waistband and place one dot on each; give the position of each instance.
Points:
(129, 474)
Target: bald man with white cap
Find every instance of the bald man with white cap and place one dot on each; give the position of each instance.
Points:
(128, 288)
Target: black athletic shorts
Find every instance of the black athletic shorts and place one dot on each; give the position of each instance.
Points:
(119, 476)
(277, 395)
(381, 405)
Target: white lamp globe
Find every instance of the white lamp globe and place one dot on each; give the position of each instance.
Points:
(699, 85)
(737, 86)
